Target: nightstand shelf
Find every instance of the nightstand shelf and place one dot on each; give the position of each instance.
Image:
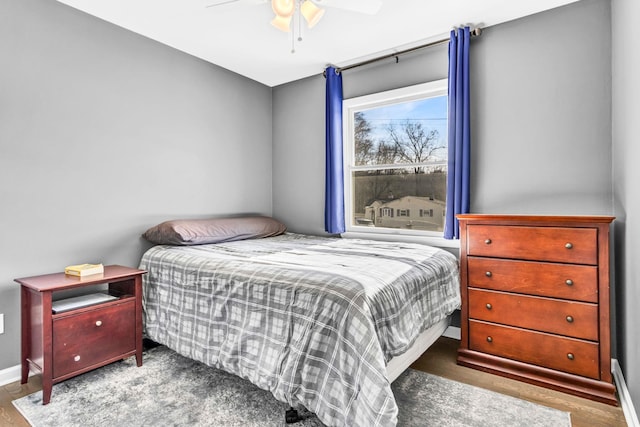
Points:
(66, 344)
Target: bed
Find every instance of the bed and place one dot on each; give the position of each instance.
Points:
(322, 323)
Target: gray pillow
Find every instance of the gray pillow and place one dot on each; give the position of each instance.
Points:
(215, 230)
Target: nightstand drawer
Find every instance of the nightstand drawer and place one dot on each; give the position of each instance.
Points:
(546, 350)
(88, 338)
(570, 318)
(567, 281)
(555, 244)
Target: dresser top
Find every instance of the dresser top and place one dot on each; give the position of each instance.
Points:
(539, 219)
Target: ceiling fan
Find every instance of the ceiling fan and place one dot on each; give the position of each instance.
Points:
(311, 10)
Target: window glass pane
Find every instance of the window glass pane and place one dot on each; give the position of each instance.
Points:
(401, 133)
(402, 198)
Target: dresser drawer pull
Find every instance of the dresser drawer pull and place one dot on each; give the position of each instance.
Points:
(489, 306)
(570, 356)
(489, 339)
(487, 241)
(76, 358)
(569, 319)
(99, 323)
(568, 245)
(488, 274)
(569, 282)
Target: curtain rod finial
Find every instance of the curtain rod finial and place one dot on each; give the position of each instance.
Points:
(335, 69)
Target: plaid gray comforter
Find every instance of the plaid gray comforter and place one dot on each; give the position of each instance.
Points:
(313, 320)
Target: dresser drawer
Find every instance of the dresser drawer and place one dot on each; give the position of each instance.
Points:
(574, 319)
(567, 281)
(564, 354)
(84, 339)
(555, 244)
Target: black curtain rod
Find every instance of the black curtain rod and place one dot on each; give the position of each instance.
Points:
(475, 32)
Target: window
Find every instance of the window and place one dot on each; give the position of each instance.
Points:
(426, 212)
(395, 158)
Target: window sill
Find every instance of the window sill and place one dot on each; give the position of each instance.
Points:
(439, 242)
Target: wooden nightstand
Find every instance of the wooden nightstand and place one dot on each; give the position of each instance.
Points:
(66, 344)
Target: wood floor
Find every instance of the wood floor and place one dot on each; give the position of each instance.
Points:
(440, 360)
(9, 416)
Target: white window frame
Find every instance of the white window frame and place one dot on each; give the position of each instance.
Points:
(349, 108)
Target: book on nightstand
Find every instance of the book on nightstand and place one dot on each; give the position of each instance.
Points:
(82, 270)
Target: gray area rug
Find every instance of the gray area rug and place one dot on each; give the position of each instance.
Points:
(171, 390)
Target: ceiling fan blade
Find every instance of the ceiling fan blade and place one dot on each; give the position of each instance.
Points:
(370, 7)
(214, 3)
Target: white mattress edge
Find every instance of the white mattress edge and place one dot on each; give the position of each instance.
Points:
(399, 364)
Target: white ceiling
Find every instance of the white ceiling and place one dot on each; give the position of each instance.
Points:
(239, 37)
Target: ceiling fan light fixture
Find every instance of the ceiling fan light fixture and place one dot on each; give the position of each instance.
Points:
(283, 8)
(312, 13)
(283, 23)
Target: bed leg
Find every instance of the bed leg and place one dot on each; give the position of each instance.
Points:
(291, 416)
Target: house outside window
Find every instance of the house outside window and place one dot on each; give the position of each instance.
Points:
(395, 160)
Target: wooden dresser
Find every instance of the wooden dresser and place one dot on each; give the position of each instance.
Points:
(535, 300)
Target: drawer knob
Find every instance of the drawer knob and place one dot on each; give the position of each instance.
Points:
(487, 241)
(569, 319)
(488, 274)
(570, 356)
(569, 282)
(489, 306)
(489, 339)
(568, 245)
(76, 358)
(99, 323)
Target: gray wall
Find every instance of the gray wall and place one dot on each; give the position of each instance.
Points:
(298, 155)
(104, 133)
(542, 113)
(626, 175)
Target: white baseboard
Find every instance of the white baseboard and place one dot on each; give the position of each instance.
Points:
(10, 375)
(630, 414)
